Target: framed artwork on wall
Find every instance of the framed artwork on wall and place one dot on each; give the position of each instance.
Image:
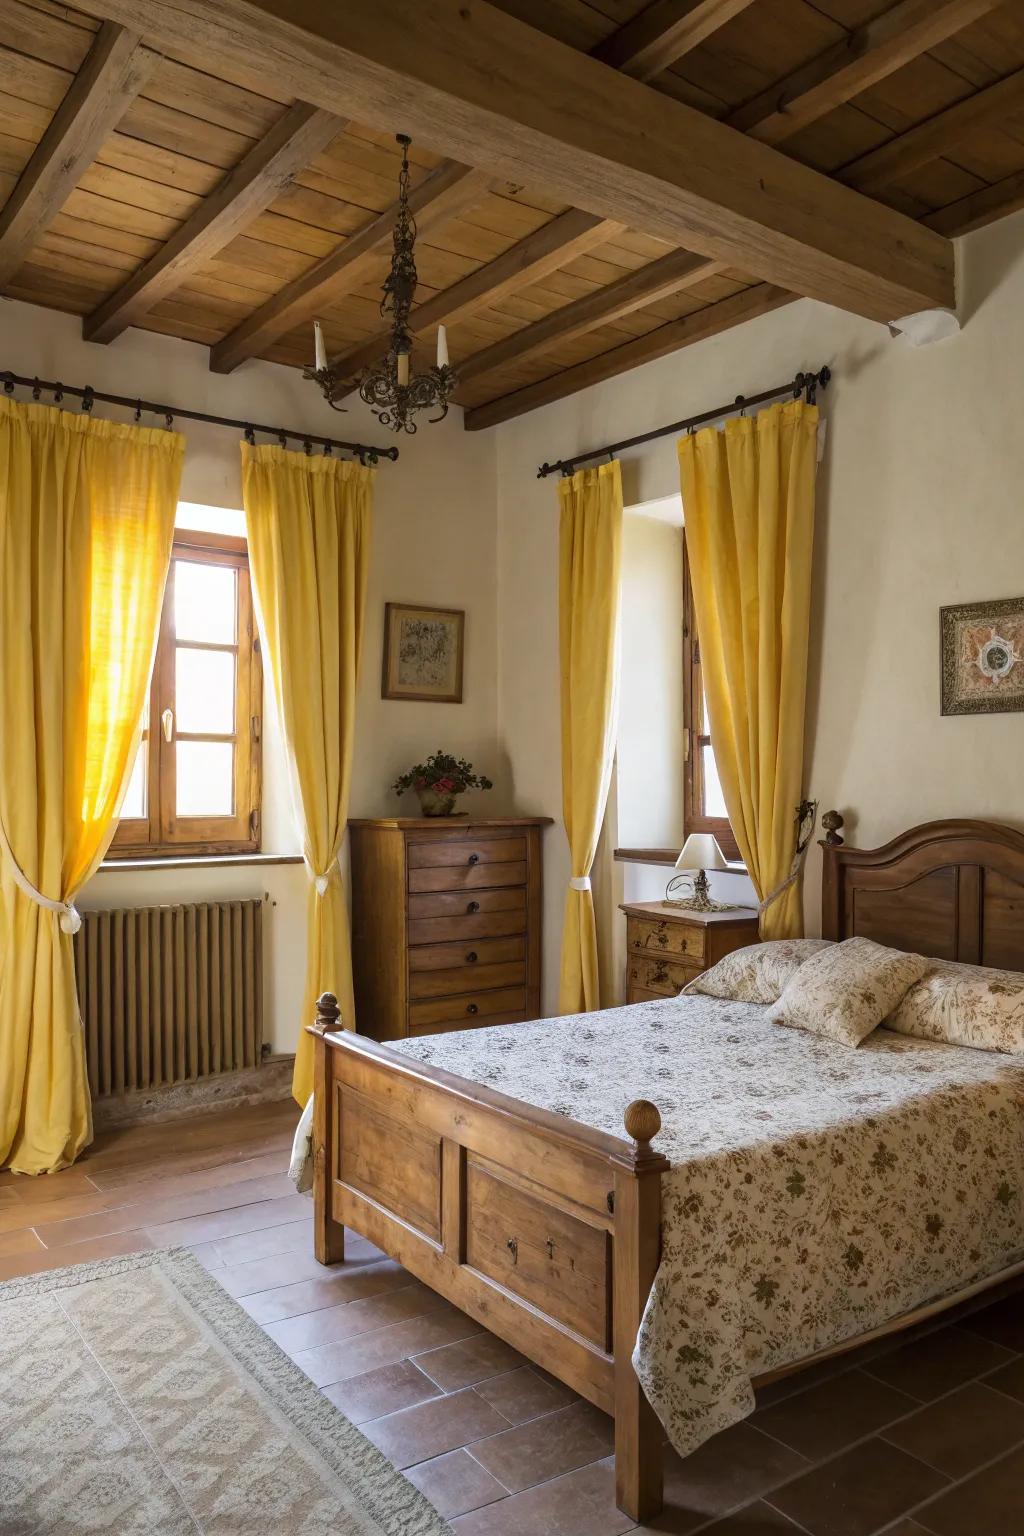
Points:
(423, 653)
(982, 647)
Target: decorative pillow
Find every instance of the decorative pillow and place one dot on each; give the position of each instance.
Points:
(964, 1005)
(758, 972)
(846, 991)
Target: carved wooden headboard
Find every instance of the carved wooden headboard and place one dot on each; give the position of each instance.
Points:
(951, 889)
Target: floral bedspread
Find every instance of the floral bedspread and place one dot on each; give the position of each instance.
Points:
(816, 1190)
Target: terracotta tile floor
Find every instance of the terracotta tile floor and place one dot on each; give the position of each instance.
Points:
(920, 1438)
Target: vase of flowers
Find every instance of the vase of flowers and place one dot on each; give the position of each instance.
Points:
(439, 781)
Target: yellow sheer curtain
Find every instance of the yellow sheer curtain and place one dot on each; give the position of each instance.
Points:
(86, 524)
(748, 502)
(589, 568)
(309, 544)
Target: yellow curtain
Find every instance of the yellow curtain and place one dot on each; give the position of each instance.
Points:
(309, 543)
(589, 566)
(748, 502)
(86, 524)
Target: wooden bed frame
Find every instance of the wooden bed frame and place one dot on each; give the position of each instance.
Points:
(548, 1232)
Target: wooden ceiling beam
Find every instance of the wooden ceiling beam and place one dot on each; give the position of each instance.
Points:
(980, 208)
(663, 33)
(636, 290)
(116, 68)
(850, 66)
(484, 87)
(442, 195)
(564, 238)
(710, 321)
(932, 139)
(296, 139)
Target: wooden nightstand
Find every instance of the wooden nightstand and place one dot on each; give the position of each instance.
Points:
(668, 946)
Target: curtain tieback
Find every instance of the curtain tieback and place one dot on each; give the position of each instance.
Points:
(580, 883)
(807, 820)
(70, 917)
(321, 881)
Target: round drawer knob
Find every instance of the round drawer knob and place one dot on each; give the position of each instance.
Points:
(472, 906)
(472, 1008)
(474, 858)
(471, 958)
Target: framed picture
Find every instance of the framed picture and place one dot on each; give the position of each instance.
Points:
(983, 657)
(423, 653)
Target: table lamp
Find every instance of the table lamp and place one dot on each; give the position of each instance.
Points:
(700, 853)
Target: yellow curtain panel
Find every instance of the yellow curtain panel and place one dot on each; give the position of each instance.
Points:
(748, 504)
(589, 570)
(86, 524)
(309, 545)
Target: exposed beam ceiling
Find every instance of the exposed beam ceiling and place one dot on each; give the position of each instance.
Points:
(643, 349)
(442, 195)
(647, 285)
(981, 207)
(296, 139)
(931, 139)
(663, 33)
(480, 85)
(114, 72)
(561, 240)
(858, 61)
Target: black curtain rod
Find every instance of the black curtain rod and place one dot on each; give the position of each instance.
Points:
(804, 384)
(366, 452)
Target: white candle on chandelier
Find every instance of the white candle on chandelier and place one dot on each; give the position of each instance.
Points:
(403, 369)
(318, 344)
(442, 347)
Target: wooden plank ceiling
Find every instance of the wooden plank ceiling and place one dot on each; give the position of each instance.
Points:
(139, 185)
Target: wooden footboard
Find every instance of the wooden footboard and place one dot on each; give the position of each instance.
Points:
(543, 1230)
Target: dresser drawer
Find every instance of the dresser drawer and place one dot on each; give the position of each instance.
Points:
(457, 904)
(518, 1016)
(478, 925)
(660, 976)
(442, 957)
(652, 936)
(549, 1258)
(433, 853)
(455, 1012)
(466, 877)
(466, 978)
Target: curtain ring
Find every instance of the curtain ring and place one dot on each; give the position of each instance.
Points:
(87, 399)
(282, 438)
(37, 389)
(58, 394)
(250, 437)
(327, 451)
(741, 404)
(8, 383)
(307, 447)
(138, 412)
(168, 421)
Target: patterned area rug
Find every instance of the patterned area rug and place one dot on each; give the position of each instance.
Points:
(138, 1399)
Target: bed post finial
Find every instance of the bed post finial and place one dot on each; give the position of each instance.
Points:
(643, 1122)
(832, 822)
(328, 1014)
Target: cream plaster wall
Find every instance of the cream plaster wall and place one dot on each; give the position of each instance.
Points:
(919, 505)
(434, 542)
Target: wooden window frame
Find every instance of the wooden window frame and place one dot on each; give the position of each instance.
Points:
(697, 736)
(162, 833)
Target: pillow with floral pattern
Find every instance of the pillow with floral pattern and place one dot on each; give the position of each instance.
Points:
(758, 972)
(846, 991)
(964, 1005)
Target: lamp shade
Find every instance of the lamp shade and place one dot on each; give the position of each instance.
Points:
(701, 851)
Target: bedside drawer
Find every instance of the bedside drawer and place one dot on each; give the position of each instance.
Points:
(457, 1012)
(466, 978)
(433, 853)
(549, 1258)
(661, 977)
(651, 936)
(466, 877)
(442, 957)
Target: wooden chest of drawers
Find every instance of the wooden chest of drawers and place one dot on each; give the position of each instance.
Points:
(668, 946)
(445, 923)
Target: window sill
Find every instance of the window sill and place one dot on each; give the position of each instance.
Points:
(198, 861)
(666, 856)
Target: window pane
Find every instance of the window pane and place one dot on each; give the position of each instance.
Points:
(134, 807)
(204, 778)
(714, 800)
(204, 602)
(204, 691)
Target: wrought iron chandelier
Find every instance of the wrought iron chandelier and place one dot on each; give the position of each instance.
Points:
(388, 389)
